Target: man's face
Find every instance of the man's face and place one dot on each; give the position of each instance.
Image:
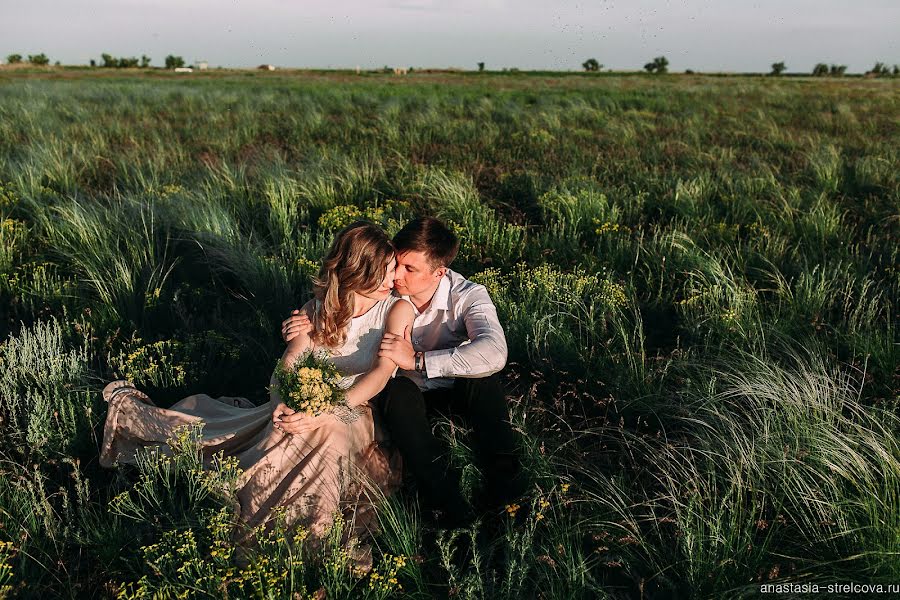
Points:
(414, 274)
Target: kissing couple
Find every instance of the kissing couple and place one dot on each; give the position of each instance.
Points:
(409, 338)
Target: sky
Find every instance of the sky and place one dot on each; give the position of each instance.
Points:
(703, 35)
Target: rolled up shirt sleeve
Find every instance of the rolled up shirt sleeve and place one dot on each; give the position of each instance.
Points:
(484, 353)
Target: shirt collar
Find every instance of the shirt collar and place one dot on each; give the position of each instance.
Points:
(441, 300)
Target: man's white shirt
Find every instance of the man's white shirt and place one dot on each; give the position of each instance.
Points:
(459, 333)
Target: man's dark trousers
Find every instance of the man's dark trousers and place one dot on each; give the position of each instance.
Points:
(482, 404)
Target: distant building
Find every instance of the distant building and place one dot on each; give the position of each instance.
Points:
(183, 70)
(400, 70)
(201, 65)
(266, 67)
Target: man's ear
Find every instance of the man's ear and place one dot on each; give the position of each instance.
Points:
(440, 272)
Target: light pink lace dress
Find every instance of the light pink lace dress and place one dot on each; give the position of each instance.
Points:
(311, 476)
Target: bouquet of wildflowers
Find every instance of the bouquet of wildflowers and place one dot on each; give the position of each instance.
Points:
(310, 385)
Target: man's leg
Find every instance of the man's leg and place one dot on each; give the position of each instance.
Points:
(485, 405)
(403, 409)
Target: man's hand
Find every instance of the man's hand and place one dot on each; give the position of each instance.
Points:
(298, 323)
(399, 349)
(292, 422)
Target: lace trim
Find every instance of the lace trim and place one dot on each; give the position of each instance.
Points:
(348, 415)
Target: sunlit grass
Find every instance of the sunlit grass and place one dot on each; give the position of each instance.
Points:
(698, 280)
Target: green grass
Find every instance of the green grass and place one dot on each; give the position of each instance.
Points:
(696, 276)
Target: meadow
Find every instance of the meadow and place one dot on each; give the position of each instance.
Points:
(698, 278)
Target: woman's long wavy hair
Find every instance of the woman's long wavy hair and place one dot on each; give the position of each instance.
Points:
(356, 262)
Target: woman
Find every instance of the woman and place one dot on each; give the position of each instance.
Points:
(309, 467)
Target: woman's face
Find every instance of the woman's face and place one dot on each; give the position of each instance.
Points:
(387, 283)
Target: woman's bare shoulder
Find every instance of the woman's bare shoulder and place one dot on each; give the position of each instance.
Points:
(400, 314)
(402, 308)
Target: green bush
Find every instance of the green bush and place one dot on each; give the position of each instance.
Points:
(39, 60)
(47, 407)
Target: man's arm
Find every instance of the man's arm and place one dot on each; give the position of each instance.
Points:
(486, 352)
(299, 322)
(297, 335)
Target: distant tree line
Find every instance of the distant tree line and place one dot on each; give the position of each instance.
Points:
(35, 59)
(881, 70)
(660, 64)
(108, 61)
(111, 62)
(824, 70)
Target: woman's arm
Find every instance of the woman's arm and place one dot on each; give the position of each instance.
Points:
(399, 322)
(300, 341)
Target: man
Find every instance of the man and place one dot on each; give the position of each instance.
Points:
(448, 362)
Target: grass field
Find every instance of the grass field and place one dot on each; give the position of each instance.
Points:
(698, 277)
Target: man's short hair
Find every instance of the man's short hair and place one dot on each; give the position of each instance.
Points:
(431, 237)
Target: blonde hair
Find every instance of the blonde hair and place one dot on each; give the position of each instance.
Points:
(356, 262)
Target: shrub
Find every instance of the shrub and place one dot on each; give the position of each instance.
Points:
(125, 268)
(554, 315)
(660, 64)
(39, 60)
(173, 364)
(185, 508)
(776, 445)
(339, 217)
(591, 65)
(173, 62)
(879, 70)
(46, 405)
(13, 236)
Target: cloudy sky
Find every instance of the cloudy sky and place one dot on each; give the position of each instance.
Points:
(708, 35)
